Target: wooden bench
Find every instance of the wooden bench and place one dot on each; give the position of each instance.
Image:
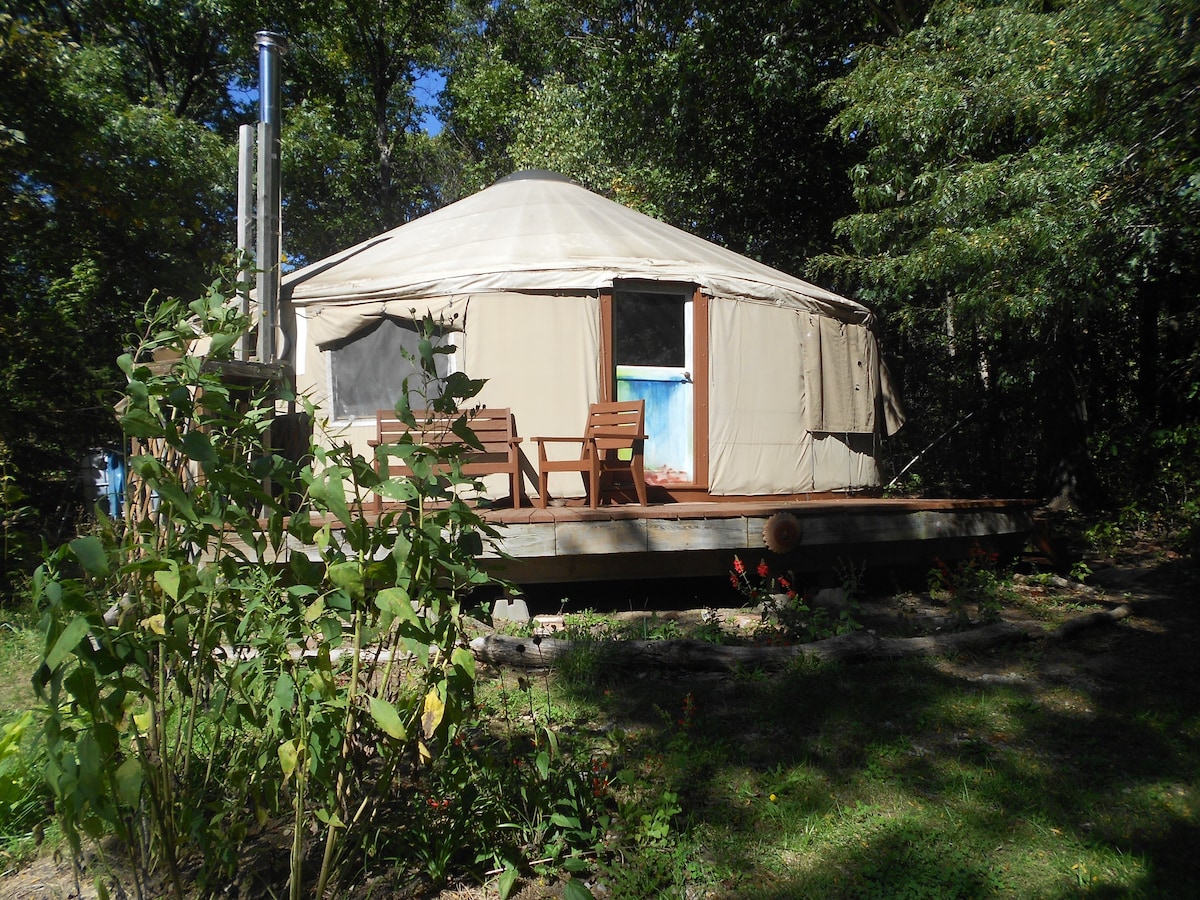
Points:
(495, 430)
(610, 428)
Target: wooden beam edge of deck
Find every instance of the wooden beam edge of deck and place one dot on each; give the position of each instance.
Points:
(608, 536)
(569, 544)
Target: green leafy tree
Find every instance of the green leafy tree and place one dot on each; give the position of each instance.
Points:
(176, 56)
(117, 136)
(1027, 207)
(356, 158)
(704, 114)
(499, 53)
(106, 197)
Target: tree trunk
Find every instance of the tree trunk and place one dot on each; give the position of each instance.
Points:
(1073, 483)
(1147, 356)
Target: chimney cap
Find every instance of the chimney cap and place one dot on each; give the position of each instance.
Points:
(270, 39)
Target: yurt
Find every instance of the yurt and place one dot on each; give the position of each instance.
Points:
(756, 383)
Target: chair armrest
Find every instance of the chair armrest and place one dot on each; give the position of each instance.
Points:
(608, 435)
(577, 440)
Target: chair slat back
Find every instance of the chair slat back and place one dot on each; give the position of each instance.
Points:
(616, 425)
(495, 429)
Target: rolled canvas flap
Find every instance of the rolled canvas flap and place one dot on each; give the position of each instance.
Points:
(327, 325)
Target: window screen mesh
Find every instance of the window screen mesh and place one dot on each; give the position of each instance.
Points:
(648, 329)
(368, 370)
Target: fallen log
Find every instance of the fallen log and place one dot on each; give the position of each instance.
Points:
(1072, 627)
(701, 656)
(686, 655)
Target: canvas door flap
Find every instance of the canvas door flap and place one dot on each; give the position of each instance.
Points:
(841, 374)
(758, 442)
(889, 398)
(864, 375)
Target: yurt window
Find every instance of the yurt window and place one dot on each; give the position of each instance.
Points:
(649, 329)
(367, 371)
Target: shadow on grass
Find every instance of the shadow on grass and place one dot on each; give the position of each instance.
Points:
(911, 779)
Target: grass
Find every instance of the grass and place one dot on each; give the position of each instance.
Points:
(20, 644)
(899, 779)
(896, 780)
(911, 779)
(22, 794)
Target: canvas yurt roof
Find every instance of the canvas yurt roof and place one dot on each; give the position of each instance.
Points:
(539, 231)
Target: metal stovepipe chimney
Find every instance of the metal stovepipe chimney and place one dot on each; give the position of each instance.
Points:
(271, 47)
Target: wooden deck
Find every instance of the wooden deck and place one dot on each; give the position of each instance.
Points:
(672, 540)
(699, 539)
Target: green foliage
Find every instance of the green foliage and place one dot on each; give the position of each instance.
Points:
(22, 790)
(355, 159)
(979, 581)
(110, 191)
(118, 152)
(17, 527)
(1026, 228)
(583, 666)
(647, 813)
(194, 691)
(1104, 538)
(563, 807)
(515, 796)
(701, 114)
(788, 616)
(1160, 505)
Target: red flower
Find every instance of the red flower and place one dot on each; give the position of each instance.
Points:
(785, 584)
(739, 566)
(763, 569)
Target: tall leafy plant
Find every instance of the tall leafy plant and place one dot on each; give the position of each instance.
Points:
(256, 646)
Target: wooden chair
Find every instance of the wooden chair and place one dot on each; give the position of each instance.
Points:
(611, 428)
(494, 428)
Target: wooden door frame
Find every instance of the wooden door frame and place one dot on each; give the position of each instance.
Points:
(700, 349)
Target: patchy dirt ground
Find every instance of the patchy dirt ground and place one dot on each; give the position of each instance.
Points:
(1154, 649)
